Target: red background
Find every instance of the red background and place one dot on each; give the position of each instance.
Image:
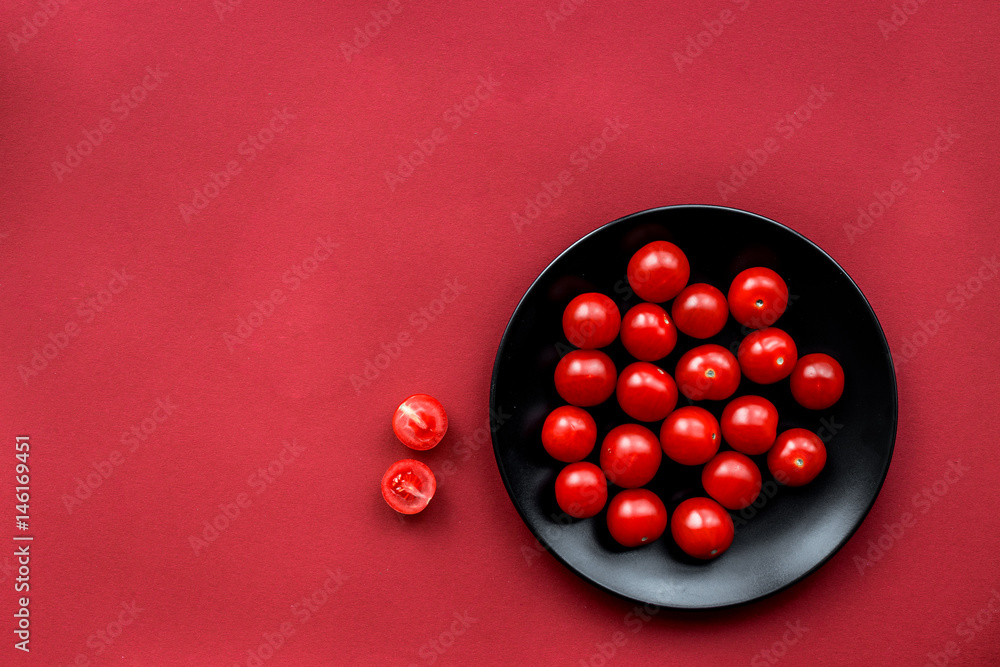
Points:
(163, 335)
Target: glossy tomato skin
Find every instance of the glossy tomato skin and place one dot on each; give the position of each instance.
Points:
(700, 311)
(420, 422)
(569, 434)
(646, 392)
(585, 377)
(591, 321)
(630, 455)
(408, 485)
(707, 372)
(757, 297)
(817, 382)
(797, 457)
(750, 424)
(732, 480)
(581, 490)
(658, 271)
(690, 435)
(767, 356)
(648, 333)
(636, 517)
(702, 528)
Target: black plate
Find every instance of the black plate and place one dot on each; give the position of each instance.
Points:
(791, 532)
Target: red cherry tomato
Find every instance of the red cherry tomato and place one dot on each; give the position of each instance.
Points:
(591, 320)
(658, 271)
(581, 490)
(707, 372)
(636, 517)
(420, 422)
(690, 435)
(732, 479)
(767, 356)
(817, 381)
(569, 434)
(585, 377)
(798, 455)
(630, 455)
(700, 311)
(647, 332)
(408, 485)
(702, 528)
(758, 297)
(750, 424)
(646, 392)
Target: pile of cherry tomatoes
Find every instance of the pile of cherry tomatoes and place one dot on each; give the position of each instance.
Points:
(631, 453)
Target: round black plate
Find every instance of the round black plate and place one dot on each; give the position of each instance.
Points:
(790, 532)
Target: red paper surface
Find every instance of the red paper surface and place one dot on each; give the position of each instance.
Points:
(695, 91)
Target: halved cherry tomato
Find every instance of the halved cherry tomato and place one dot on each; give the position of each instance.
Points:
(817, 381)
(702, 528)
(750, 424)
(647, 332)
(569, 433)
(707, 372)
(700, 310)
(636, 517)
(767, 355)
(732, 479)
(758, 297)
(585, 377)
(420, 422)
(658, 271)
(408, 485)
(646, 392)
(591, 320)
(630, 455)
(581, 490)
(797, 457)
(690, 435)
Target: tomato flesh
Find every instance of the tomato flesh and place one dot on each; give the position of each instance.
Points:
(408, 485)
(420, 422)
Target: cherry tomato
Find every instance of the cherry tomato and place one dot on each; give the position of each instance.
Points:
(420, 422)
(630, 455)
(707, 372)
(646, 392)
(585, 377)
(758, 297)
(408, 485)
(636, 517)
(750, 424)
(700, 310)
(797, 457)
(732, 479)
(702, 528)
(690, 435)
(581, 490)
(569, 434)
(767, 355)
(658, 271)
(591, 320)
(817, 381)
(647, 332)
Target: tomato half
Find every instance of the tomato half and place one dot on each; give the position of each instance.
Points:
(757, 297)
(702, 528)
(630, 455)
(420, 422)
(636, 517)
(647, 332)
(581, 490)
(690, 435)
(750, 424)
(797, 457)
(408, 485)
(591, 320)
(767, 355)
(732, 479)
(658, 271)
(817, 381)
(569, 434)
(646, 392)
(700, 310)
(585, 377)
(707, 372)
